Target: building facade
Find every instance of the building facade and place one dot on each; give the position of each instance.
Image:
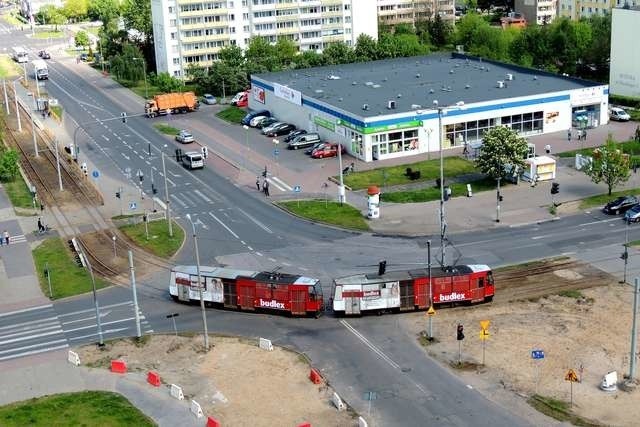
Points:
(193, 31)
(394, 12)
(406, 106)
(537, 12)
(624, 77)
(576, 9)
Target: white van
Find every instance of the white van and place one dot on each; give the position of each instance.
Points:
(193, 160)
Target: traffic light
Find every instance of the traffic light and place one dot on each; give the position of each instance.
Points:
(625, 255)
(154, 190)
(205, 152)
(382, 267)
(447, 193)
(555, 188)
(500, 198)
(460, 332)
(117, 194)
(124, 117)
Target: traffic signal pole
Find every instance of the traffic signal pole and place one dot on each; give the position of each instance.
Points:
(634, 330)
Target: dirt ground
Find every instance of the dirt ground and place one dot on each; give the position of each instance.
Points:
(591, 332)
(236, 382)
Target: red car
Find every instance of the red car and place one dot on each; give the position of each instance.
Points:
(327, 150)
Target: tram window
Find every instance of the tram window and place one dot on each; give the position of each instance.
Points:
(490, 278)
(481, 282)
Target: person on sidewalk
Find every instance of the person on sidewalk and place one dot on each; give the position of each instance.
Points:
(569, 135)
(5, 236)
(266, 188)
(40, 226)
(584, 134)
(258, 183)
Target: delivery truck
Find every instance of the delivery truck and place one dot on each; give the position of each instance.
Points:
(170, 103)
(40, 70)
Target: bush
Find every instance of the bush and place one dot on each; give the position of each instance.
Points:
(625, 101)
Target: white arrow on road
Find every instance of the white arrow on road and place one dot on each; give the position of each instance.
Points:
(125, 156)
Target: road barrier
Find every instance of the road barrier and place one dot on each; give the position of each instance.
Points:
(212, 422)
(337, 401)
(305, 425)
(315, 376)
(176, 391)
(119, 366)
(362, 422)
(73, 358)
(153, 378)
(265, 344)
(196, 409)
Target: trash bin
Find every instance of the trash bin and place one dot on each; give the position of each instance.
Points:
(373, 202)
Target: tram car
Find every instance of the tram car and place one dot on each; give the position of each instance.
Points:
(409, 289)
(248, 290)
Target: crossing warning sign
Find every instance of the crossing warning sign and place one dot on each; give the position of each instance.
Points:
(571, 376)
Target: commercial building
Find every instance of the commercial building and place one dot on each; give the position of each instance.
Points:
(193, 32)
(394, 12)
(386, 109)
(540, 12)
(576, 9)
(624, 77)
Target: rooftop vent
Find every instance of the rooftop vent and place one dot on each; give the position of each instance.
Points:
(509, 76)
(354, 83)
(535, 77)
(391, 105)
(467, 86)
(451, 71)
(418, 76)
(340, 99)
(369, 83)
(487, 69)
(500, 84)
(385, 79)
(333, 77)
(416, 106)
(399, 95)
(375, 86)
(431, 90)
(365, 107)
(318, 91)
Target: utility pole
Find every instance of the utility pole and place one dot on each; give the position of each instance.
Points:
(634, 330)
(33, 132)
(135, 295)
(166, 195)
(95, 297)
(498, 197)
(430, 316)
(58, 165)
(625, 254)
(6, 98)
(442, 222)
(200, 285)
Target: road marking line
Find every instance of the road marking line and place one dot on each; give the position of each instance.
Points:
(184, 205)
(59, 331)
(93, 309)
(25, 310)
(28, 331)
(249, 247)
(281, 182)
(17, 325)
(258, 223)
(171, 182)
(199, 193)
(469, 387)
(259, 254)
(108, 331)
(27, 347)
(276, 184)
(125, 156)
(102, 324)
(369, 344)
(29, 353)
(598, 222)
(105, 137)
(224, 225)
(161, 203)
(273, 260)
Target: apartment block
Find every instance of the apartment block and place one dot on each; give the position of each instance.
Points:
(193, 31)
(576, 9)
(540, 12)
(624, 78)
(394, 12)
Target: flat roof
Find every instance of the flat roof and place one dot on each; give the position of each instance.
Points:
(415, 82)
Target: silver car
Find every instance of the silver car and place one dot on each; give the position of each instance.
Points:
(267, 129)
(185, 137)
(209, 99)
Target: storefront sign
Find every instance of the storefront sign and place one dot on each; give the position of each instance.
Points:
(378, 129)
(258, 94)
(287, 94)
(587, 96)
(324, 123)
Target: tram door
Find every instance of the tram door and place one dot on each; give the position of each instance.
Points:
(230, 295)
(246, 295)
(298, 301)
(351, 304)
(407, 299)
(183, 292)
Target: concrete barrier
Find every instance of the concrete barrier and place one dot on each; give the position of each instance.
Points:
(265, 344)
(73, 358)
(196, 409)
(153, 378)
(212, 422)
(119, 366)
(362, 422)
(315, 376)
(176, 391)
(337, 401)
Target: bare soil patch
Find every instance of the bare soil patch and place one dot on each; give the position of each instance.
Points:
(236, 382)
(589, 332)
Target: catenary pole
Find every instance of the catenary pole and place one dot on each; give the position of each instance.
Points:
(135, 295)
(166, 195)
(634, 330)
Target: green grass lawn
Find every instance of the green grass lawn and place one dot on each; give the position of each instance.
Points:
(328, 212)
(558, 409)
(8, 67)
(48, 34)
(19, 193)
(232, 114)
(159, 243)
(603, 199)
(86, 408)
(395, 175)
(166, 128)
(628, 147)
(57, 111)
(67, 277)
(433, 193)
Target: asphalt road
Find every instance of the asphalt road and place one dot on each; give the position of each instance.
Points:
(358, 356)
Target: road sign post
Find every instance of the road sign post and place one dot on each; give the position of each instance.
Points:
(297, 189)
(173, 317)
(484, 335)
(538, 357)
(572, 378)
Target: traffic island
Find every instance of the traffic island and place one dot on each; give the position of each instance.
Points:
(153, 236)
(326, 212)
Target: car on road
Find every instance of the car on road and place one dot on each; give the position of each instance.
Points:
(44, 54)
(267, 121)
(293, 134)
(618, 114)
(246, 120)
(303, 141)
(209, 99)
(327, 150)
(633, 214)
(620, 205)
(278, 129)
(185, 137)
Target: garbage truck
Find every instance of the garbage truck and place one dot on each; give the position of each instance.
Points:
(170, 103)
(40, 70)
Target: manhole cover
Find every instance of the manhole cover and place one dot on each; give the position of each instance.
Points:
(406, 369)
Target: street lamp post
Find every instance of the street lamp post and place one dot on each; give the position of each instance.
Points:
(95, 296)
(246, 140)
(275, 153)
(430, 290)
(200, 285)
(341, 192)
(166, 195)
(6, 98)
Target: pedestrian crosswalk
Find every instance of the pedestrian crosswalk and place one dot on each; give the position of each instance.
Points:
(18, 238)
(42, 329)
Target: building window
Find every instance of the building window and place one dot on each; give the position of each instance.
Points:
(396, 141)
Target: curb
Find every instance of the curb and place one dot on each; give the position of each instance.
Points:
(349, 230)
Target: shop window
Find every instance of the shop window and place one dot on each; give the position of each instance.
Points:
(395, 136)
(395, 147)
(483, 123)
(411, 133)
(527, 117)
(537, 125)
(537, 115)
(506, 120)
(382, 148)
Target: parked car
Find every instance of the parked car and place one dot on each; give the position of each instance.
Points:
(293, 134)
(185, 137)
(267, 121)
(268, 128)
(303, 141)
(327, 150)
(44, 54)
(619, 205)
(618, 114)
(308, 151)
(253, 114)
(278, 129)
(209, 99)
(257, 119)
(241, 99)
(84, 57)
(633, 214)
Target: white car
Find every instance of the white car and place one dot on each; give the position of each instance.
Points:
(618, 114)
(209, 99)
(254, 122)
(185, 137)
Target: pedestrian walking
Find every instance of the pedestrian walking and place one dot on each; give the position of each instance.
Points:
(258, 183)
(584, 135)
(569, 135)
(266, 188)
(5, 235)
(40, 226)
(635, 167)
(637, 138)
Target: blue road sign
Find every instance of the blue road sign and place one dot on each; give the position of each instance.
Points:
(133, 206)
(537, 354)
(95, 174)
(276, 152)
(297, 189)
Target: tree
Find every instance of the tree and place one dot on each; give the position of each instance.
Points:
(609, 165)
(286, 52)
(106, 11)
(127, 65)
(231, 55)
(440, 32)
(366, 48)
(82, 39)
(75, 10)
(51, 15)
(166, 83)
(338, 53)
(308, 59)
(260, 56)
(8, 165)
